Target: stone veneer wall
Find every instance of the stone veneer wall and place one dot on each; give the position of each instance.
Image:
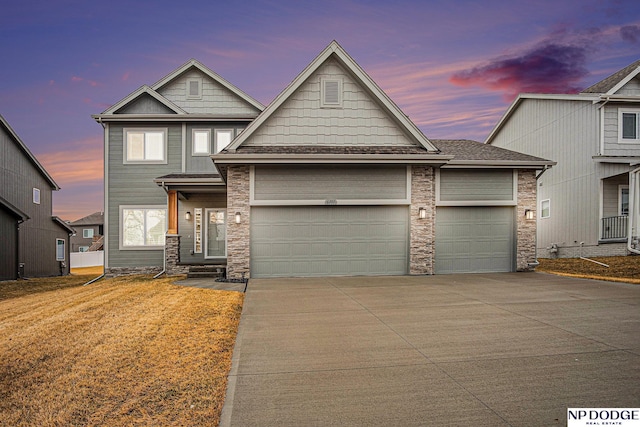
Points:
(238, 235)
(172, 256)
(526, 228)
(422, 233)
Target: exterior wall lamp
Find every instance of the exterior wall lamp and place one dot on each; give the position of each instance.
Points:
(187, 216)
(422, 213)
(529, 214)
(238, 217)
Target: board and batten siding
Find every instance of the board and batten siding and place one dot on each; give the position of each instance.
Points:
(566, 132)
(133, 184)
(329, 183)
(18, 177)
(216, 99)
(301, 120)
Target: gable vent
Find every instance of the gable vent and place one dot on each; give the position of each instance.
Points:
(331, 93)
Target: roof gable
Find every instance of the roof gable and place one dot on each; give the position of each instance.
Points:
(368, 116)
(23, 147)
(615, 82)
(146, 99)
(217, 93)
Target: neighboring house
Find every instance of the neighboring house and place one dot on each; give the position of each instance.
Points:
(88, 230)
(331, 178)
(33, 242)
(586, 202)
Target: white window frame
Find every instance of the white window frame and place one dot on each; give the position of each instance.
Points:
(64, 249)
(36, 196)
(206, 233)
(193, 142)
(145, 208)
(323, 100)
(621, 112)
(542, 202)
(217, 132)
(188, 88)
(620, 190)
(87, 233)
(125, 146)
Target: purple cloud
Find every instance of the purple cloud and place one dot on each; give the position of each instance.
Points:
(547, 68)
(630, 33)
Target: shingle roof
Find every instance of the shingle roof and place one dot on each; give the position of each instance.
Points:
(465, 149)
(95, 218)
(605, 85)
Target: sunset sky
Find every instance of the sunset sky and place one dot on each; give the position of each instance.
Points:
(452, 66)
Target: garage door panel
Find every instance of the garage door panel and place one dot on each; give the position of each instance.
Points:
(474, 239)
(329, 240)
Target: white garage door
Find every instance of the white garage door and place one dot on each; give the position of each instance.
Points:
(474, 240)
(329, 240)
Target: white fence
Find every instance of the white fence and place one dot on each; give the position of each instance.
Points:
(87, 259)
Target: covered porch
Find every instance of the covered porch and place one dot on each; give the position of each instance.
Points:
(196, 239)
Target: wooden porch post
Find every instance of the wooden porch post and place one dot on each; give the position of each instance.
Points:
(172, 197)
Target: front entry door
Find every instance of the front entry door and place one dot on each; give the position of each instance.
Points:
(216, 234)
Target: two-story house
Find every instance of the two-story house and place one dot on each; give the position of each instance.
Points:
(33, 243)
(88, 230)
(331, 178)
(588, 203)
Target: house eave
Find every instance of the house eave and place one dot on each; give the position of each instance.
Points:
(315, 158)
(169, 118)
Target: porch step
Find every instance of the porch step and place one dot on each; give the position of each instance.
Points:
(203, 271)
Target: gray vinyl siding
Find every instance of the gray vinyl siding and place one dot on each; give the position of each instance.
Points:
(330, 182)
(145, 104)
(476, 185)
(566, 132)
(133, 184)
(216, 99)
(186, 228)
(329, 241)
(18, 177)
(301, 121)
(612, 144)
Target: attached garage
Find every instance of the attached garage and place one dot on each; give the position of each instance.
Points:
(476, 239)
(329, 241)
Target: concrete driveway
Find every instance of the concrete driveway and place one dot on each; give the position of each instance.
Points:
(512, 349)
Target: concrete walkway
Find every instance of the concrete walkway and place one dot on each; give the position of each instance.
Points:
(513, 349)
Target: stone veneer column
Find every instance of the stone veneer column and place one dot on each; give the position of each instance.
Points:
(238, 235)
(422, 231)
(526, 233)
(172, 255)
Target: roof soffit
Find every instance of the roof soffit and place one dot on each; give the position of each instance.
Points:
(334, 50)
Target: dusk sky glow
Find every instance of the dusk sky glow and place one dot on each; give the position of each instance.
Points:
(452, 66)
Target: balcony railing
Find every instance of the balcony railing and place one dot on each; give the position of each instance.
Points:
(614, 227)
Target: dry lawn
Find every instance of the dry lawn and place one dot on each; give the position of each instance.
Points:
(125, 351)
(621, 268)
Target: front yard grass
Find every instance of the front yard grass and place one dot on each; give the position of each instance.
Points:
(123, 351)
(621, 268)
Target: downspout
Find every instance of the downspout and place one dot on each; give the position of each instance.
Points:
(634, 209)
(164, 249)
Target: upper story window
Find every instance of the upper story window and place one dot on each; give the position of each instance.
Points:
(87, 233)
(223, 138)
(194, 88)
(629, 125)
(36, 196)
(331, 93)
(145, 145)
(201, 142)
